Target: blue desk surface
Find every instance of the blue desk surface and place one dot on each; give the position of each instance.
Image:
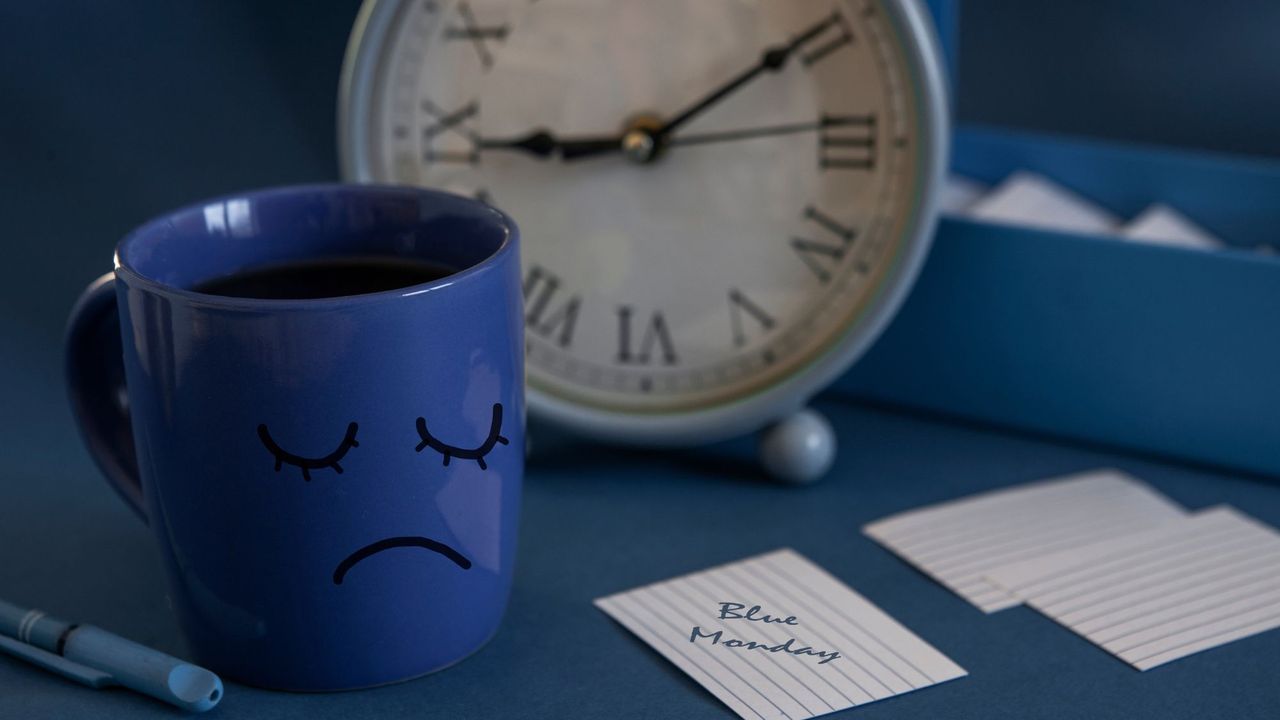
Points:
(597, 521)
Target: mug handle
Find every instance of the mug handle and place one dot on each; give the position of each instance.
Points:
(96, 385)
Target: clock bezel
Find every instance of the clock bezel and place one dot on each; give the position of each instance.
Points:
(910, 22)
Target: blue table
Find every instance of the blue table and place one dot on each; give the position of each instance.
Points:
(597, 521)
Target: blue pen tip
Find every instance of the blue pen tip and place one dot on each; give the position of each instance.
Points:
(195, 688)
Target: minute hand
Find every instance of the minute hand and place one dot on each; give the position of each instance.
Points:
(772, 60)
(767, 130)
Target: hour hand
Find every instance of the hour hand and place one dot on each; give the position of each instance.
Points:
(541, 143)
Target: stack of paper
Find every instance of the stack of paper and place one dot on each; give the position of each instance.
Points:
(1162, 594)
(1105, 556)
(1032, 200)
(1163, 225)
(959, 543)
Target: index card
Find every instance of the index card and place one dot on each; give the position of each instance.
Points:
(775, 636)
(1033, 200)
(958, 543)
(958, 194)
(1163, 225)
(1156, 596)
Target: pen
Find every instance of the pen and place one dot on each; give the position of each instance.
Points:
(95, 657)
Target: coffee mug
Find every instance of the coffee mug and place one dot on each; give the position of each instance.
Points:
(334, 482)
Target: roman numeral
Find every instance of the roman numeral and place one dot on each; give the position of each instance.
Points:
(446, 121)
(449, 123)
(541, 314)
(739, 305)
(494, 32)
(821, 256)
(835, 36)
(656, 333)
(847, 142)
(478, 35)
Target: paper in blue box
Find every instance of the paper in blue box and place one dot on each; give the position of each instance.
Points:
(1148, 347)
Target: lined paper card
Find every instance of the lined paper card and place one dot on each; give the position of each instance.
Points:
(775, 636)
(1163, 594)
(958, 543)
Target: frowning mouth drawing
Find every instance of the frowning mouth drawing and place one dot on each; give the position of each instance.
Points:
(371, 549)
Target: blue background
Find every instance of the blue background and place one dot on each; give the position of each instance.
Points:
(112, 113)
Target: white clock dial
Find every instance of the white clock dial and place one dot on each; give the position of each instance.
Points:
(687, 267)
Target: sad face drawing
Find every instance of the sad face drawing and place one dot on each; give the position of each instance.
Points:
(371, 534)
(427, 441)
(345, 501)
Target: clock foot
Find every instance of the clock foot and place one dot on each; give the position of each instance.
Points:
(799, 449)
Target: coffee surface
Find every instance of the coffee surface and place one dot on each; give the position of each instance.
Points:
(325, 278)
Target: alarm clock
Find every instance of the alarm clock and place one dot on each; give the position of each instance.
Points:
(722, 202)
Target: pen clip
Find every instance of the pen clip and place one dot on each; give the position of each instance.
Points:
(56, 663)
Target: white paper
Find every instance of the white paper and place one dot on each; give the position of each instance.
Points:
(1162, 225)
(823, 648)
(1034, 201)
(959, 543)
(1156, 596)
(959, 193)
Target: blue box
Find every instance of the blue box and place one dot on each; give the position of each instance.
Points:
(1147, 347)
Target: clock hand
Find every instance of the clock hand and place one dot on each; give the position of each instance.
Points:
(589, 147)
(643, 144)
(771, 60)
(541, 143)
(768, 130)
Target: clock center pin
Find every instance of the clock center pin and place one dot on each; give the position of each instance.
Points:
(640, 142)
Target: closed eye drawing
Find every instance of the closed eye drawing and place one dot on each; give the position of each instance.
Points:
(307, 464)
(477, 453)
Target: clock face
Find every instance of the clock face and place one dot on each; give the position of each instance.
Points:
(669, 266)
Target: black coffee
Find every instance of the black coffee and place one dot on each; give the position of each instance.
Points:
(326, 278)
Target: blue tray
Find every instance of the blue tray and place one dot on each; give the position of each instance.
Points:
(1154, 348)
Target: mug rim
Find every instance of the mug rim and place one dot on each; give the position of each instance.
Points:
(124, 269)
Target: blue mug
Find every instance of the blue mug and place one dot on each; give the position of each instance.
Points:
(334, 482)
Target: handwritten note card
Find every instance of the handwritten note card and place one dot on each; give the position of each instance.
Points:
(775, 636)
(1156, 596)
(958, 543)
